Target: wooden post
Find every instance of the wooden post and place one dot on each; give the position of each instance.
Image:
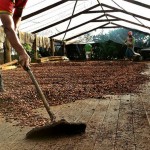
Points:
(64, 49)
(52, 46)
(1, 83)
(7, 57)
(35, 48)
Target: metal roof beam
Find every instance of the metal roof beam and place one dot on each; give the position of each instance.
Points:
(101, 11)
(86, 32)
(61, 21)
(76, 26)
(129, 13)
(129, 28)
(106, 20)
(110, 27)
(44, 9)
(129, 21)
(138, 3)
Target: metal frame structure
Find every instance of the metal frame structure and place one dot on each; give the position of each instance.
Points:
(106, 15)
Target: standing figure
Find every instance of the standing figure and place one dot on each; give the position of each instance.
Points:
(130, 41)
(88, 51)
(10, 15)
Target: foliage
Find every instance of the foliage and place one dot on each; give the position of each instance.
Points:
(107, 50)
(29, 50)
(101, 37)
(111, 45)
(86, 38)
(119, 36)
(27, 47)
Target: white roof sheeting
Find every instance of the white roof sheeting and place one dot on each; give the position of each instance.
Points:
(53, 22)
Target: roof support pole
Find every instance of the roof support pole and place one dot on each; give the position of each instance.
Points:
(34, 47)
(64, 49)
(52, 46)
(7, 49)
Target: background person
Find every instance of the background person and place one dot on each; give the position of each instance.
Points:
(130, 41)
(88, 51)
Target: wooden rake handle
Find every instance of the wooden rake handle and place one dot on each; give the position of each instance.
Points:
(45, 102)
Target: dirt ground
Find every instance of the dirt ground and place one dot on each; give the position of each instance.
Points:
(111, 97)
(64, 82)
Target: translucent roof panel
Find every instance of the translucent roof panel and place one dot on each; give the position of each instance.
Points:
(68, 19)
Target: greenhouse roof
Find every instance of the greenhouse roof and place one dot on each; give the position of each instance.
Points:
(69, 19)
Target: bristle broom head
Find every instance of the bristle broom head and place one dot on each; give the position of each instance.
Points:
(57, 129)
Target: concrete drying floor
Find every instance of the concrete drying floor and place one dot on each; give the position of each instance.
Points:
(118, 122)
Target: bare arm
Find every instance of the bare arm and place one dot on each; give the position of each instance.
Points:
(9, 29)
(17, 17)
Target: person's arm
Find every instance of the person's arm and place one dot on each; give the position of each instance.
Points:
(125, 42)
(133, 41)
(17, 17)
(9, 29)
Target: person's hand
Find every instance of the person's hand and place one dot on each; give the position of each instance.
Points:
(24, 60)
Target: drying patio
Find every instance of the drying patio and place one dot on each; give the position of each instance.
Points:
(114, 122)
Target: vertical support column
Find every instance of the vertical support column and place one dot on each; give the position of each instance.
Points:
(52, 46)
(7, 57)
(64, 49)
(35, 48)
(1, 83)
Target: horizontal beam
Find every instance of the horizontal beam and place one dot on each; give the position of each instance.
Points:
(101, 11)
(105, 20)
(110, 27)
(129, 28)
(76, 26)
(43, 9)
(63, 20)
(129, 13)
(138, 3)
(128, 21)
(86, 32)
